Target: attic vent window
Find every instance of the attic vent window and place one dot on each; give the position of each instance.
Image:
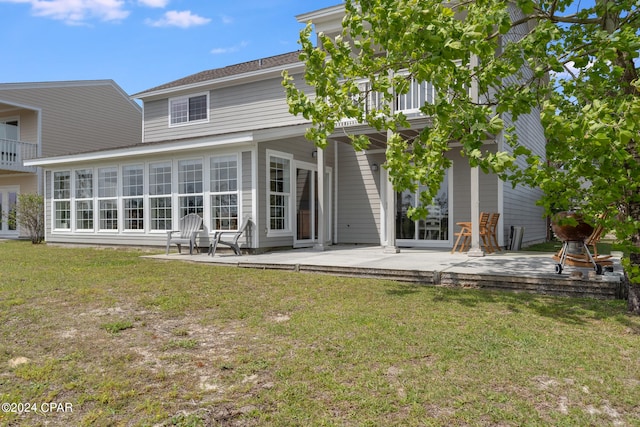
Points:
(189, 109)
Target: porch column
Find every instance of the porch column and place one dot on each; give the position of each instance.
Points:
(390, 246)
(321, 243)
(475, 250)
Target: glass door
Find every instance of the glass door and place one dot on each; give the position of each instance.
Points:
(306, 206)
(8, 210)
(430, 231)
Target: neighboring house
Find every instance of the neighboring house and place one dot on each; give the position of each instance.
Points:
(56, 118)
(221, 143)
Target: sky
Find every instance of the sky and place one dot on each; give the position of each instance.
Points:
(141, 44)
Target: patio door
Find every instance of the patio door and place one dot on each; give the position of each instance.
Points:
(8, 206)
(434, 230)
(306, 204)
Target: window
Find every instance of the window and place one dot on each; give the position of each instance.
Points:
(189, 109)
(132, 195)
(224, 193)
(62, 199)
(107, 198)
(84, 199)
(279, 193)
(190, 197)
(160, 195)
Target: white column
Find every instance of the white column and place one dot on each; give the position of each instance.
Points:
(390, 246)
(321, 243)
(476, 249)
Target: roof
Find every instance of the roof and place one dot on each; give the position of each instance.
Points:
(228, 71)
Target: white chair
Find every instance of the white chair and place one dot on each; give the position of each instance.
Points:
(189, 227)
(431, 227)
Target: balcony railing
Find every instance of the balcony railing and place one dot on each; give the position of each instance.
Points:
(419, 93)
(13, 153)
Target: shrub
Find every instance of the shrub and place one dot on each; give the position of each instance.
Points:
(30, 215)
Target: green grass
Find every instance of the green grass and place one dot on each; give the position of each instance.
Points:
(209, 345)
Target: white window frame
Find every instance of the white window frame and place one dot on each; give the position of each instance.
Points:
(83, 196)
(187, 194)
(57, 200)
(125, 198)
(288, 216)
(154, 195)
(213, 192)
(104, 195)
(183, 99)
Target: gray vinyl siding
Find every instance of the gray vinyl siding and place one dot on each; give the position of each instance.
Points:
(246, 195)
(520, 207)
(48, 218)
(358, 196)
(251, 106)
(78, 117)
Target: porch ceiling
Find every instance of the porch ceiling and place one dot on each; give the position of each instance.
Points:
(378, 139)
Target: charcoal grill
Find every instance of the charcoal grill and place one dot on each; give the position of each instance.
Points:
(575, 251)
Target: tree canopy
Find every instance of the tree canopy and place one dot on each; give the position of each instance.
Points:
(490, 62)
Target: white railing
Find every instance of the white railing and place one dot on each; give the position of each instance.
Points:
(13, 153)
(419, 93)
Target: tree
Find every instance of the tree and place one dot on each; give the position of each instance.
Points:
(574, 63)
(30, 215)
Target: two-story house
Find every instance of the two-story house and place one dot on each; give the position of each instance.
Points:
(56, 118)
(222, 144)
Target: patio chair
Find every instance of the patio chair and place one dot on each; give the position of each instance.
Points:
(465, 234)
(491, 230)
(189, 227)
(231, 237)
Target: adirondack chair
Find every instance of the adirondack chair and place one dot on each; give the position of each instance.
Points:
(189, 227)
(231, 238)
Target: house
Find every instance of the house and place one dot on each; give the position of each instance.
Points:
(56, 118)
(221, 143)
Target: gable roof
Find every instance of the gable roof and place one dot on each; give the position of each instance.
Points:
(257, 65)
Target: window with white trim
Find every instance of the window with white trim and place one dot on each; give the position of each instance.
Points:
(84, 199)
(160, 196)
(62, 199)
(132, 197)
(279, 179)
(190, 194)
(189, 109)
(108, 199)
(224, 192)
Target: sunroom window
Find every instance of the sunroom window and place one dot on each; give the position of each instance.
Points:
(108, 198)
(62, 199)
(84, 199)
(224, 192)
(189, 109)
(132, 195)
(190, 195)
(279, 193)
(160, 195)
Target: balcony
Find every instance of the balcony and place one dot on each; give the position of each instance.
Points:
(13, 153)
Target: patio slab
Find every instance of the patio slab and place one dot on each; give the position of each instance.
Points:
(513, 271)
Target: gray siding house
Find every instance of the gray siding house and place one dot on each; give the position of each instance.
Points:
(222, 144)
(56, 118)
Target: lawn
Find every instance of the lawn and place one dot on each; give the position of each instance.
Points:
(105, 337)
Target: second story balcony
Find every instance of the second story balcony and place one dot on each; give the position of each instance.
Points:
(13, 153)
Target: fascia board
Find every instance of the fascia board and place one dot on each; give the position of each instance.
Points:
(141, 150)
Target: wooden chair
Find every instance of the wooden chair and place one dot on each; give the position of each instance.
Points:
(492, 230)
(189, 227)
(232, 239)
(465, 234)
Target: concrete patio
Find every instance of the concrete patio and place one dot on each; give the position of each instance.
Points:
(513, 271)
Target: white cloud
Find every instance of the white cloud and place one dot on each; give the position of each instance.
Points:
(231, 49)
(226, 19)
(76, 12)
(184, 19)
(154, 3)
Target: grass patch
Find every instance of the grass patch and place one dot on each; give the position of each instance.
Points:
(216, 345)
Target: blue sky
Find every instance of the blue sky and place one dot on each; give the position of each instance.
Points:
(142, 43)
